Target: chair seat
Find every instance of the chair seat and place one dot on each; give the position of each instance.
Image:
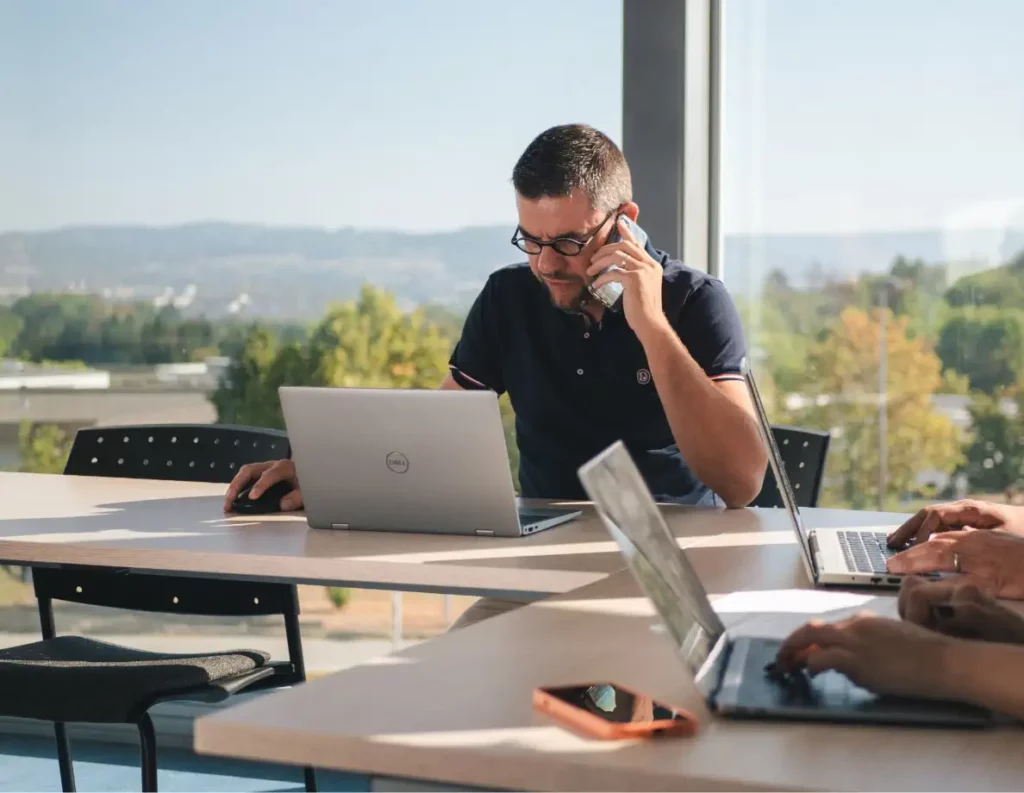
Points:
(71, 678)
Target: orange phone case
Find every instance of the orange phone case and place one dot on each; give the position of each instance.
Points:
(596, 727)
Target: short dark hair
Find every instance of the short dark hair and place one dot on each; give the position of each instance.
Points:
(574, 157)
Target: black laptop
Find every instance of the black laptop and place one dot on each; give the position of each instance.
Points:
(731, 671)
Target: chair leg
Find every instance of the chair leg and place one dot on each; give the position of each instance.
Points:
(294, 636)
(147, 738)
(67, 770)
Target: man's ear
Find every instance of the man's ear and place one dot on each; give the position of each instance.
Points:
(630, 210)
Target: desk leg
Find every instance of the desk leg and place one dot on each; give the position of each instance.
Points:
(396, 619)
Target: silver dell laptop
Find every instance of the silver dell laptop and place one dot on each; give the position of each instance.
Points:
(406, 460)
(731, 672)
(845, 557)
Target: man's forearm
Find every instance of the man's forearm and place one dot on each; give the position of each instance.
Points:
(717, 437)
(985, 674)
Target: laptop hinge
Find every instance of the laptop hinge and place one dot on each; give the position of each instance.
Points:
(709, 677)
(812, 546)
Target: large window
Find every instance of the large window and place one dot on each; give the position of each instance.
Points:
(873, 232)
(201, 201)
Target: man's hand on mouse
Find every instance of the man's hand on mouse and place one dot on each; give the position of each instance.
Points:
(265, 475)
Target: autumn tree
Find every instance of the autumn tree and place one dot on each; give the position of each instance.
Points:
(842, 392)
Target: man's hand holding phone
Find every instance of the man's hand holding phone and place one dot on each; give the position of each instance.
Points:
(640, 276)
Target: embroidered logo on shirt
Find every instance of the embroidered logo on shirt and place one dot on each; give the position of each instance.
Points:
(643, 376)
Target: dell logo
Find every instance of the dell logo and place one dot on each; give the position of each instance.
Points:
(643, 376)
(397, 462)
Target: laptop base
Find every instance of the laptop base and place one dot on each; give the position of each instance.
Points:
(747, 691)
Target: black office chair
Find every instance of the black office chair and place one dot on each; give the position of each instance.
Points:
(75, 679)
(803, 453)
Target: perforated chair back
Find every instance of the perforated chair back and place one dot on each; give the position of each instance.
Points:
(803, 454)
(183, 452)
(190, 453)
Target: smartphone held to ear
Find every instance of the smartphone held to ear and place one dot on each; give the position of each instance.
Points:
(609, 712)
(610, 294)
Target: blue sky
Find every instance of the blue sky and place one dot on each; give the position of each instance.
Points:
(841, 114)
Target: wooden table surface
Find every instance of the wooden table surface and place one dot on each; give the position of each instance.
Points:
(458, 710)
(179, 527)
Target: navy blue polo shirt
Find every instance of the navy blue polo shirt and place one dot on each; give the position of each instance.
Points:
(577, 386)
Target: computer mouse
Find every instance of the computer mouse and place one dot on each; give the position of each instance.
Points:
(267, 502)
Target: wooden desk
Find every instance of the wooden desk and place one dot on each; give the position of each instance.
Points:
(179, 527)
(458, 710)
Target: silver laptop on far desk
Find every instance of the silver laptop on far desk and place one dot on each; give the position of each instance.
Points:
(731, 671)
(841, 557)
(406, 460)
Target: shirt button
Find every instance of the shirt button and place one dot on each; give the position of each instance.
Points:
(586, 335)
(579, 371)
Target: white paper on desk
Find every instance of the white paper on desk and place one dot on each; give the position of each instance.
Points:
(774, 613)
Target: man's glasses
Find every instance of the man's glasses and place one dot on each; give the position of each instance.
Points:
(566, 246)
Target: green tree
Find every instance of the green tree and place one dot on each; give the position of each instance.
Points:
(10, 327)
(842, 389)
(1001, 286)
(43, 448)
(369, 342)
(995, 455)
(986, 343)
(245, 394)
(372, 343)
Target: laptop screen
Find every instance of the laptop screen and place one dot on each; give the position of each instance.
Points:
(776, 462)
(627, 509)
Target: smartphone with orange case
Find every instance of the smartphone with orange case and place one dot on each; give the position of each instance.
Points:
(612, 712)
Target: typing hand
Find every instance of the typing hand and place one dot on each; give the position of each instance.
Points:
(882, 655)
(958, 515)
(992, 560)
(959, 609)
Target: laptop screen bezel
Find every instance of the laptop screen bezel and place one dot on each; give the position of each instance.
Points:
(778, 467)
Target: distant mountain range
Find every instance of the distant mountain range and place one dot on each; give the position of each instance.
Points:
(220, 268)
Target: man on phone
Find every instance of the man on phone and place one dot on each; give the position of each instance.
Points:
(660, 370)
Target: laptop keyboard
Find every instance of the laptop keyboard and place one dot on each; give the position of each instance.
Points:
(865, 551)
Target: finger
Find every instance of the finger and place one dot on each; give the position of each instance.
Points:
(974, 620)
(622, 247)
(271, 476)
(622, 260)
(909, 529)
(840, 659)
(967, 592)
(292, 501)
(933, 556)
(932, 524)
(919, 599)
(623, 226)
(608, 278)
(245, 475)
(815, 634)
